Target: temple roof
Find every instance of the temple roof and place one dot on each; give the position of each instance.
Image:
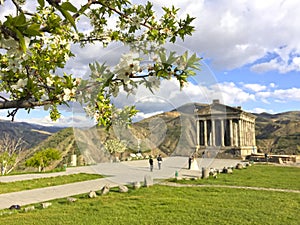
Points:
(218, 109)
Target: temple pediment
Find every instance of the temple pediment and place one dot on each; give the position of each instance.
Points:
(217, 109)
(225, 127)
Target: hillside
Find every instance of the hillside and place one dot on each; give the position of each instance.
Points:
(32, 134)
(169, 133)
(275, 133)
(278, 133)
(87, 144)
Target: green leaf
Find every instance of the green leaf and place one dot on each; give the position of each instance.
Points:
(42, 3)
(68, 6)
(20, 20)
(172, 58)
(68, 16)
(21, 40)
(173, 39)
(33, 30)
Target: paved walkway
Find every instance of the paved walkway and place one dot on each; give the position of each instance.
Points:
(117, 173)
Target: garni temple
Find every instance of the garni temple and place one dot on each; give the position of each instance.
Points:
(225, 129)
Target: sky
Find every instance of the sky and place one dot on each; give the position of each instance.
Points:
(251, 58)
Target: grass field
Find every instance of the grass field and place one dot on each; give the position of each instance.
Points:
(181, 205)
(267, 176)
(45, 182)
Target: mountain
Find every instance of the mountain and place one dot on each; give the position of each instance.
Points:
(278, 133)
(168, 133)
(32, 134)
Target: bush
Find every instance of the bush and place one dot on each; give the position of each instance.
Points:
(43, 158)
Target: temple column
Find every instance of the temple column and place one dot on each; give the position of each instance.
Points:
(222, 133)
(253, 134)
(245, 133)
(213, 133)
(198, 132)
(240, 133)
(248, 133)
(205, 132)
(231, 132)
(236, 125)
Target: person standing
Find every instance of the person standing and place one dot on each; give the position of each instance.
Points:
(159, 161)
(151, 163)
(190, 162)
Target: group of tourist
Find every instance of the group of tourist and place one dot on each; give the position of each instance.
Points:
(159, 161)
(192, 162)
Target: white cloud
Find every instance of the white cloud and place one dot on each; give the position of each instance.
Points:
(255, 87)
(264, 94)
(170, 97)
(140, 115)
(231, 94)
(261, 110)
(231, 33)
(64, 121)
(292, 94)
(236, 33)
(265, 66)
(279, 101)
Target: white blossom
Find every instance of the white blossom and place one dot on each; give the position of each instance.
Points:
(136, 21)
(77, 81)
(49, 81)
(66, 56)
(20, 84)
(68, 94)
(46, 11)
(13, 65)
(166, 31)
(135, 6)
(129, 63)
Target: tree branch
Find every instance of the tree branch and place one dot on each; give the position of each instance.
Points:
(22, 104)
(19, 9)
(7, 32)
(119, 13)
(5, 99)
(13, 114)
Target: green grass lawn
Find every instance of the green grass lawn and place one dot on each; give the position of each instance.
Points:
(169, 205)
(182, 205)
(45, 182)
(268, 176)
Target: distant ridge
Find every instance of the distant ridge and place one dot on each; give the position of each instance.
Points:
(32, 134)
(189, 108)
(169, 133)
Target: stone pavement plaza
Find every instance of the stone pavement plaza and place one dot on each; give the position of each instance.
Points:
(116, 174)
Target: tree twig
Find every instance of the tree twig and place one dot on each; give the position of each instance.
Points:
(19, 9)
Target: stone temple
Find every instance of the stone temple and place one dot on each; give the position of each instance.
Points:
(224, 129)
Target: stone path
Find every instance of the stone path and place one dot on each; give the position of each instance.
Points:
(117, 173)
(227, 186)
